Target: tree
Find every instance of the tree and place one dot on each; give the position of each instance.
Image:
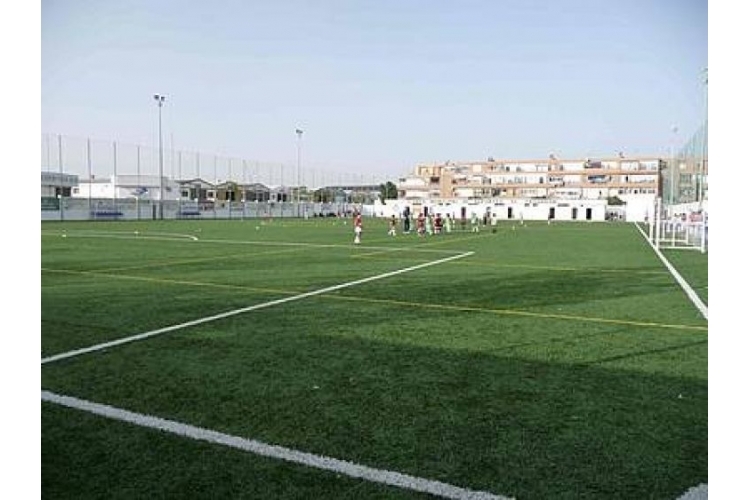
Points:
(388, 191)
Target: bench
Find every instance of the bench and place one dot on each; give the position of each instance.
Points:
(108, 214)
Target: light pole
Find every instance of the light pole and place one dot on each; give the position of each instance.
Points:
(673, 166)
(299, 162)
(160, 102)
(704, 147)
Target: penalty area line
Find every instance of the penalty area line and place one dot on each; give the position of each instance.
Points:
(227, 314)
(338, 466)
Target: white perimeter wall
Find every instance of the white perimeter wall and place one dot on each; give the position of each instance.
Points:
(498, 210)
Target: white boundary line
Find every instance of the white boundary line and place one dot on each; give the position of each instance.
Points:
(350, 469)
(699, 492)
(145, 236)
(702, 308)
(227, 314)
(131, 235)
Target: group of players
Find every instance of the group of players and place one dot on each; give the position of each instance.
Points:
(425, 225)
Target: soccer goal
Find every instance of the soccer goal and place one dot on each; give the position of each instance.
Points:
(679, 229)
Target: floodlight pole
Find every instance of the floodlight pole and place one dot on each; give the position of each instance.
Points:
(704, 164)
(160, 102)
(60, 163)
(704, 148)
(299, 171)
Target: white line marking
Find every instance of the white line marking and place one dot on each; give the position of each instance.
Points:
(235, 312)
(144, 236)
(134, 235)
(702, 308)
(699, 492)
(272, 451)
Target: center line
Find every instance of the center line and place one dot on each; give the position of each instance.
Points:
(199, 321)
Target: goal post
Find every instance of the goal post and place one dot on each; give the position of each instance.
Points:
(680, 228)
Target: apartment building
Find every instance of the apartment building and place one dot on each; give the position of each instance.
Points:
(635, 181)
(551, 178)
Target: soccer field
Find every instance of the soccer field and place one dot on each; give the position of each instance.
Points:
(276, 359)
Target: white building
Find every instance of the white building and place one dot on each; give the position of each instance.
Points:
(124, 187)
(497, 210)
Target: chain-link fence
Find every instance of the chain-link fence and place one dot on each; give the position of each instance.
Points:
(681, 213)
(685, 180)
(86, 179)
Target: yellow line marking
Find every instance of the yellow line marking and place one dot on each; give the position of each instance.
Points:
(400, 303)
(243, 310)
(521, 313)
(197, 259)
(171, 281)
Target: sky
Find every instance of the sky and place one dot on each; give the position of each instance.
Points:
(378, 86)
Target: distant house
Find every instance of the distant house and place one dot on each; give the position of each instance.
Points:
(197, 190)
(256, 192)
(279, 194)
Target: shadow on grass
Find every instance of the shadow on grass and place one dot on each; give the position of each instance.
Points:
(521, 428)
(524, 289)
(650, 352)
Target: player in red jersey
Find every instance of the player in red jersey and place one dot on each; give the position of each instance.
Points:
(358, 228)
(420, 224)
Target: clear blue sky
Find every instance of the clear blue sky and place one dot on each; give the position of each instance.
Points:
(378, 86)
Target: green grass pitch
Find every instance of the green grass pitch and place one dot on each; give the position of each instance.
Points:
(555, 361)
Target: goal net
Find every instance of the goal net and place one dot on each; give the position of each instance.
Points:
(679, 229)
